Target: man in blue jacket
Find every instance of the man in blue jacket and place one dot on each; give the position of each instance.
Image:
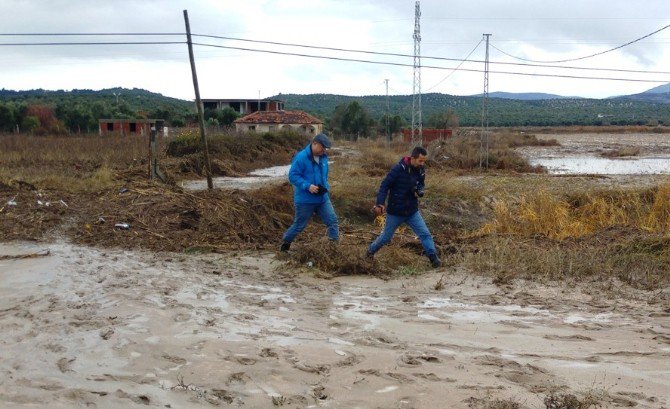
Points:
(403, 186)
(309, 177)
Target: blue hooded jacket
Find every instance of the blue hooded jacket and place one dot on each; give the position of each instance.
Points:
(306, 171)
(399, 185)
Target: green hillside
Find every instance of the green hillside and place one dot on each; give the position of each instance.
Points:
(502, 112)
(79, 110)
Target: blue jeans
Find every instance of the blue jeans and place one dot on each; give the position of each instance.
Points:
(303, 212)
(415, 221)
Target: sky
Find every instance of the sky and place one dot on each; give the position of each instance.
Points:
(539, 30)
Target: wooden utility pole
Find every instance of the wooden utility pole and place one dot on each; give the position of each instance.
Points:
(201, 117)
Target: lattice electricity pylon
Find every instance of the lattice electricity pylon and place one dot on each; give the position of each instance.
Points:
(417, 131)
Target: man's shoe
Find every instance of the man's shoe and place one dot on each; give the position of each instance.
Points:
(285, 246)
(435, 261)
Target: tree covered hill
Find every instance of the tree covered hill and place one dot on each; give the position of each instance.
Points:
(502, 111)
(79, 110)
(136, 99)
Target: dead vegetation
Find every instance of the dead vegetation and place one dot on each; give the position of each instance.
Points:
(465, 152)
(499, 222)
(626, 151)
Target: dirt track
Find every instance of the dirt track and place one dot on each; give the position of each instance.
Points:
(112, 328)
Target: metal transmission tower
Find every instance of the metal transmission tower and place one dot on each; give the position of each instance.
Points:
(484, 136)
(417, 132)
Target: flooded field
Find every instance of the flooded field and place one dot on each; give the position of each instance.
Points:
(581, 154)
(591, 165)
(255, 179)
(206, 326)
(110, 328)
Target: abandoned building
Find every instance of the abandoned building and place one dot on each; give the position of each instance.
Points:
(244, 106)
(126, 126)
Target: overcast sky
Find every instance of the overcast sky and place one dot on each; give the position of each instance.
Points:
(542, 30)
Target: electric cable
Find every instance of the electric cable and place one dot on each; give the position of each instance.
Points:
(586, 56)
(424, 66)
(457, 67)
(540, 64)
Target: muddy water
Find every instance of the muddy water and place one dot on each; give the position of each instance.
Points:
(580, 154)
(574, 165)
(256, 179)
(110, 329)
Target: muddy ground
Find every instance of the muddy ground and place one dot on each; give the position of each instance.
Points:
(85, 327)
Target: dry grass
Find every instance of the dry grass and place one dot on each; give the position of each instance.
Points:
(631, 256)
(569, 401)
(625, 151)
(501, 223)
(468, 151)
(82, 163)
(559, 217)
(233, 153)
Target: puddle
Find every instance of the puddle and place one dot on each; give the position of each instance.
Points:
(359, 308)
(449, 309)
(255, 179)
(599, 318)
(574, 165)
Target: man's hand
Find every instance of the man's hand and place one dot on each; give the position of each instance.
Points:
(378, 210)
(314, 189)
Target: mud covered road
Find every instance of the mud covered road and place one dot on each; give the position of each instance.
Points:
(84, 327)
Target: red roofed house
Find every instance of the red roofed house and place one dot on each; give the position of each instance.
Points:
(271, 121)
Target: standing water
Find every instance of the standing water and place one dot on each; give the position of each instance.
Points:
(256, 179)
(573, 165)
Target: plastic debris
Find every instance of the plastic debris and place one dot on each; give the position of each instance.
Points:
(122, 226)
(101, 220)
(63, 203)
(12, 202)
(123, 190)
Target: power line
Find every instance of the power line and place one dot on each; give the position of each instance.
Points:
(426, 66)
(321, 48)
(457, 67)
(586, 56)
(523, 18)
(87, 34)
(92, 43)
(96, 43)
(412, 56)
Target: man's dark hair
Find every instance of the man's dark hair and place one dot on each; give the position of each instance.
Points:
(418, 150)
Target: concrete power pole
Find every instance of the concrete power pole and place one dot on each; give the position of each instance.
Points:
(417, 131)
(484, 136)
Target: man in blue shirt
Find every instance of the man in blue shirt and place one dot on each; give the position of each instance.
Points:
(309, 177)
(403, 186)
